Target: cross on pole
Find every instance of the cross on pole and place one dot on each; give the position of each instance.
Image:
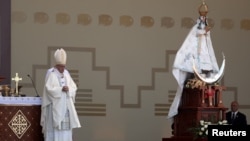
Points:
(17, 79)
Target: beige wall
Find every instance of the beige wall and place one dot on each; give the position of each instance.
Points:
(121, 53)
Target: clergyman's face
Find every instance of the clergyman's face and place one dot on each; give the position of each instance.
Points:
(202, 18)
(60, 68)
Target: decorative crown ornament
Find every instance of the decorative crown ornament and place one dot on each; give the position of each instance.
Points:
(203, 8)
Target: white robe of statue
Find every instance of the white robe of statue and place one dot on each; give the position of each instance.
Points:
(56, 105)
(197, 46)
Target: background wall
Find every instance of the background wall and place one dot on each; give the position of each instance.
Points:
(120, 54)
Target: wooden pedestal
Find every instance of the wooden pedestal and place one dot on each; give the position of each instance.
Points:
(189, 117)
(193, 108)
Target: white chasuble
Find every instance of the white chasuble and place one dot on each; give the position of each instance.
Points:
(58, 116)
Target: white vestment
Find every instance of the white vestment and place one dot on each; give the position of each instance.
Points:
(58, 116)
(197, 46)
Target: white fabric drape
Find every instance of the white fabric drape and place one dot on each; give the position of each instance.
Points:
(197, 46)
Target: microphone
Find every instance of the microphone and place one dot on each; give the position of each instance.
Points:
(37, 95)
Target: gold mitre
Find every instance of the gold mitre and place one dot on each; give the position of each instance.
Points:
(203, 9)
(60, 56)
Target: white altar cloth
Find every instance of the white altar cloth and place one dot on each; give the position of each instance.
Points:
(21, 100)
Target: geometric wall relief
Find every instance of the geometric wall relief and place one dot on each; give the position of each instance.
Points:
(147, 21)
(19, 124)
(85, 104)
(245, 24)
(62, 18)
(161, 109)
(105, 20)
(124, 20)
(234, 90)
(84, 19)
(167, 22)
(187, 22)
(41, 17)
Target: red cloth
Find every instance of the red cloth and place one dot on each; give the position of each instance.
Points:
(209, 92)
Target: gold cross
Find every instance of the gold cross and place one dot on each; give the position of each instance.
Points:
(16, 79)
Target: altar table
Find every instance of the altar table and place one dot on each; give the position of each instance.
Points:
(20, 119)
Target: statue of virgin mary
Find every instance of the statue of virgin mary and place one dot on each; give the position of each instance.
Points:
(197, 48)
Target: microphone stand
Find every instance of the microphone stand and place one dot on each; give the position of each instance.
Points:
(37, 95)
